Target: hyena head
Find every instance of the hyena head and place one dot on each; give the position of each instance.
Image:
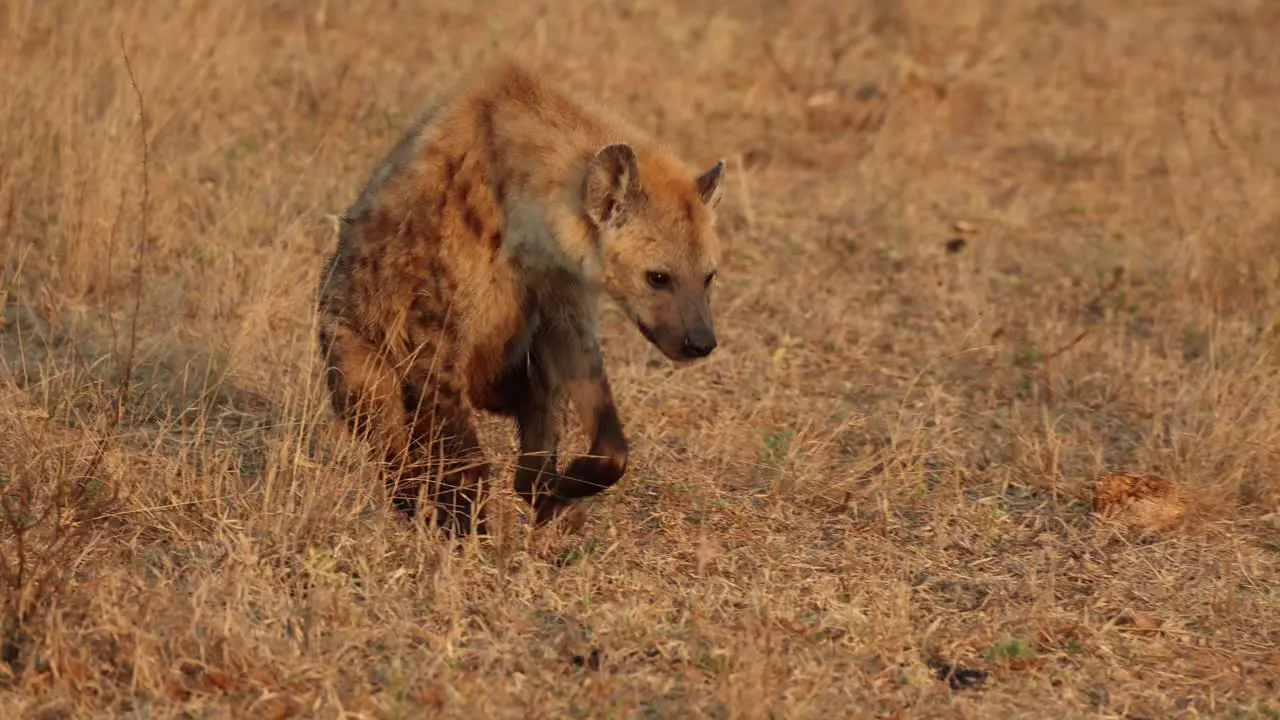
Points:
(654, 223)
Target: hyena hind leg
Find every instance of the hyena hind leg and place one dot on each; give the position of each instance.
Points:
(447, 458)
(364, 389)
(437, 443)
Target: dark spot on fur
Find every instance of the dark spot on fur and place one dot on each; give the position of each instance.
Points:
(426, 307)
(486, 124)
(428, 315)
(411, 398)
(473, 221)
(440, 199)
(497, 184)
(461, 187)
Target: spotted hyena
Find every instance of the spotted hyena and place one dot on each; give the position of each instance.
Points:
(468, 275)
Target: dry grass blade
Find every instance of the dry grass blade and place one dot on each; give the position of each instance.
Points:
(126, 381)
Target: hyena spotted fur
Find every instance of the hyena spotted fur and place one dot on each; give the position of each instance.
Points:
(468, 275)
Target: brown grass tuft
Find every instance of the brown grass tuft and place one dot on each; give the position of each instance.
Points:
(871, 501)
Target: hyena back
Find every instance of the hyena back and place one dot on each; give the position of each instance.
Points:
(468, 275)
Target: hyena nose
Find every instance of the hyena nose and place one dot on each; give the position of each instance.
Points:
(699, 343)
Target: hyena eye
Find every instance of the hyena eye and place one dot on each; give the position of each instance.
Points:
(658, 280)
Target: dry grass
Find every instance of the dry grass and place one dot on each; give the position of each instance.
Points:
(884, 471)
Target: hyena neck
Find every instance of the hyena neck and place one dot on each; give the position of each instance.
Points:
(552, 247)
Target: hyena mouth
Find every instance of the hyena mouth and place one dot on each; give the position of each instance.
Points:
(647, 333)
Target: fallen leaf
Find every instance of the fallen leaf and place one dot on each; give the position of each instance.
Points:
(1149, 502)
(176, 691)
(278, 707)
(1138, 621)
(776, 358)
(74, 669)
(219, 680)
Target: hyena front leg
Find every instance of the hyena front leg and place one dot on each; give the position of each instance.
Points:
(576, 364)
(536, 401)
(447, 456)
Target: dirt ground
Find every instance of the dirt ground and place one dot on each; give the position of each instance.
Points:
(980, 254)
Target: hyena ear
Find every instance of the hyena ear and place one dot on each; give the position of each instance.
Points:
(611, 184)
(709, 184)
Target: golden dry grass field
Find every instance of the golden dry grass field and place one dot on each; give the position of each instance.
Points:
(980, 254)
